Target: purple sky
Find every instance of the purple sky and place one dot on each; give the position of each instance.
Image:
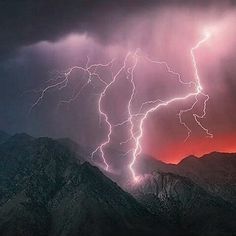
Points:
(165, 32)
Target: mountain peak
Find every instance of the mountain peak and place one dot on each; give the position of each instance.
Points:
(22, 136)
(93, 175)
(219, 155)
(87, 168)
(189, 161)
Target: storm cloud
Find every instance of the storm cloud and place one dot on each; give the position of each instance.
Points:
(41, 38)
(26, 22)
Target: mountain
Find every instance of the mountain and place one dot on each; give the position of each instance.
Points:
(215, 172)
(186, 205)
(146, 164)
(3, 136)
(47, 190)
(81, 153)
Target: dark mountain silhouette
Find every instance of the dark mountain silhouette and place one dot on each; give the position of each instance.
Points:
(45, 190)
(48, 188)
(185, 204)
(215, 172)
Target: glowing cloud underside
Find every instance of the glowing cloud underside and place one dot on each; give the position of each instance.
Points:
(134, 120)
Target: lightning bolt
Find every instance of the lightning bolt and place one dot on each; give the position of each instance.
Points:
(64, 83)
(104, 114)
(135, 120)
(198, 91)
(65, 80)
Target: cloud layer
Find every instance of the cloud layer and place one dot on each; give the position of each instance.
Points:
(41, 38)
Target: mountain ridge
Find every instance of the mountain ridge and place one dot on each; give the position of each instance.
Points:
(48, 188)
(185, 204)
(48, 191)
(215, 172)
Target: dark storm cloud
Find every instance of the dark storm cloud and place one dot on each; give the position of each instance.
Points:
(26, 22)
(40, 37)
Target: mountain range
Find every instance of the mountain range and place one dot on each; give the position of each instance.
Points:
(48, 188)
(215, 172)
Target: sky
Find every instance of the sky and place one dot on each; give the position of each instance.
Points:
(41, 40)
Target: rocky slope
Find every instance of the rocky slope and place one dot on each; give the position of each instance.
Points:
(48, 188)
(186, 205)
(215, 172)
(45, 190)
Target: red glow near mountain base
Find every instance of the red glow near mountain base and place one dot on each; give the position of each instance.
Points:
(177, 151)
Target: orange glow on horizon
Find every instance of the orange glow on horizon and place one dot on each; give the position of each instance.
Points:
(197, 147)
